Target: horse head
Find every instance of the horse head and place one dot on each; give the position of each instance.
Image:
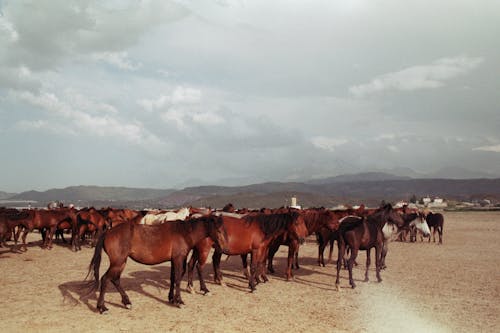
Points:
(217, 231)
(298, 227)
(420, 223)
(392, 216)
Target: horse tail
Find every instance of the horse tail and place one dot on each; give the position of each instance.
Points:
(95, 263)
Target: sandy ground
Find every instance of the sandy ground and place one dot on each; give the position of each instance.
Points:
(454, 287)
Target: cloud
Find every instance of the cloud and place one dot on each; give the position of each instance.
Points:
(492, 148)
(70, 115)
(45, 34)
(326, 143)
(6, 28)
(179, 96)
(18, 78)
(118, 59)
(418, 77)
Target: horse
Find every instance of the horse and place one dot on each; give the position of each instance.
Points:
(413, 221)
(90, 220)
(315, 220)
(49, 220)
(364, 233)
(117, 216)
(250, 234)
(152, 218)
(151, 245)
(435, 222)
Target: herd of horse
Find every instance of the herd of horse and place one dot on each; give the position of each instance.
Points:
(154, 237)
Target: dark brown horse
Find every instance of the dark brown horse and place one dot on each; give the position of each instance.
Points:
(315, 220)
(151, 245)
(435, 222)
(250, 234)
(364, 233)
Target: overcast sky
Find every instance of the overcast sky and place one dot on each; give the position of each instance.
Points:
(174, 93)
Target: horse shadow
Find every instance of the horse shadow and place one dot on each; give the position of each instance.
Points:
(79, 292)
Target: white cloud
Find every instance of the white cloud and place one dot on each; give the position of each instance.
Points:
(326, 143)
(492, 148)
(67, 114)
(6, 28)
(418, 77)
(118, 59)
(179, 96)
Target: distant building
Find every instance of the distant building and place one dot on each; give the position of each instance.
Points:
(294, 203)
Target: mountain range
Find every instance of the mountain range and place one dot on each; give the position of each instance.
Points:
(369, 188)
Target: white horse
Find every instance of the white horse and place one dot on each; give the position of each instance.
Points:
(151, 219)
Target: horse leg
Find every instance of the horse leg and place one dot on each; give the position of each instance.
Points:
(340, 257)
(190, 268)
(115, 279)
(216, 264)
(292, 249)
(385, 248)
(321, 250)
(368, 262)
(200, 258)
(273, 248)
(253, 270)
(49, 237)
(330, 254)
(25, 233)
(296, 259)
(440, 234)
(175, 280)
(350, 263)
(112, 274)
(378, 260)
(246, 267)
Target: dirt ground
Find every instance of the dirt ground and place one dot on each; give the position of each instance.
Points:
(453, 287)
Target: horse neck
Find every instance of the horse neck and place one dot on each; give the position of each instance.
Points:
(315, 220)
(198, 230)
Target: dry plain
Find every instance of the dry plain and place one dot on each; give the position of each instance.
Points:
(454, 287)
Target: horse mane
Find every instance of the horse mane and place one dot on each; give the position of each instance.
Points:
(272, 224)
(316, 218)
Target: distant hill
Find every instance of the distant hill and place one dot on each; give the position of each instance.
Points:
(75, 194)
(369, 188)
(365, 176)
(6, 195)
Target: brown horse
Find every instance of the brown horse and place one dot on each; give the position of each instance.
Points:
(93, 221)
(315, 220)
(435, 222)
(364, 233)
(151, 245)
(50, 220)
(250, 234)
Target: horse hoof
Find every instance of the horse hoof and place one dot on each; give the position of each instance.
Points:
(207, 293)
(337, 286)
(128, 306)
(365, 280)
(190, 290)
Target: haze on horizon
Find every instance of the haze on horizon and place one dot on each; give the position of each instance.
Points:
(162, 93)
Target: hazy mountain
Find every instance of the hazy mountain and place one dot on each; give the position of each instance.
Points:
(459, 173)
(6, 195)
(369, 188)
(92, 193)
(358, 177)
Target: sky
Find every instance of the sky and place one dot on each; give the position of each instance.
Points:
(167, 94)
